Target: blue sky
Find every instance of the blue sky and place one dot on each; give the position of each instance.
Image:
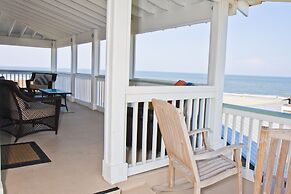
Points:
(257, 45)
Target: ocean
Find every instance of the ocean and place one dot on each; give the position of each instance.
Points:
(240, 84)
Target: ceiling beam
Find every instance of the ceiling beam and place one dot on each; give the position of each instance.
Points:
(145, 5)
(5, 40)
(47, 16)
(78, 7)
(189, 15)
(35, 26)
(162, 4)
(34, 34)
(23, 31)
(29, 16)
(91, 6)
(11, 28)
(55, 6)
(100, 3)
(181, 3)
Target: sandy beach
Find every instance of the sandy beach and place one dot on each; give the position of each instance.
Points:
(266, 102)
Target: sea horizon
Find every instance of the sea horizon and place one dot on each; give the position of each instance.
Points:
(234, 83)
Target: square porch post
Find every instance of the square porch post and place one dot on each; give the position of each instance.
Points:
(216, 69)
(54, 57)
(117, 81)
(95, 67)
(74, 50)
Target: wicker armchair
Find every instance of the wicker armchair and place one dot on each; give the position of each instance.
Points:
(21, 115)
(41, 81)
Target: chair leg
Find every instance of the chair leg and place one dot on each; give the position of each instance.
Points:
(239, 179)
(197, 190)
(239, 174)
(171, 175)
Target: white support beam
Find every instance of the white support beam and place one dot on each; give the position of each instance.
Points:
(54, 57)
(132, 56)
(189, 15)
(5, 40)
(216, 69)
(23, 31)
(74, 55)
(115, 168)
(95, 67)
(11, 28)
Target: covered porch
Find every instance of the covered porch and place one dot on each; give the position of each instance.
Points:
(124, 141)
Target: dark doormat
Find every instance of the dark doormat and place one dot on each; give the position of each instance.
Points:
(22, 154)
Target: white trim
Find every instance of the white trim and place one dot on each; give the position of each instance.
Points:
(137, 169)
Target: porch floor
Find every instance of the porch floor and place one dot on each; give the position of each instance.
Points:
(76, 154)
(146, 182)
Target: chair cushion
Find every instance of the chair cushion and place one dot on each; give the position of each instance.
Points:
(42, 79)
(214, 166)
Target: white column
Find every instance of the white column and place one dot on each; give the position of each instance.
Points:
(95, 67)
(54, 57)
(74, 51)
(216, 69)
(117, 80)
(132, 56)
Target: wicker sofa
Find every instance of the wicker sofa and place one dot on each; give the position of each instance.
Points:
(21, 115)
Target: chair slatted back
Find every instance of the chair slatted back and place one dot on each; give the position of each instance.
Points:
(174, 132)
(277, 168)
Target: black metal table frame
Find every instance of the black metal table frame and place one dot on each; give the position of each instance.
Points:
(63, 95)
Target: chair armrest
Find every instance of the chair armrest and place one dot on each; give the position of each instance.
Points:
(197, 131)
(215, 153)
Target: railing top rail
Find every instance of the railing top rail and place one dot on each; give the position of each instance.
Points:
(17, 71)
(154, 81)
(258, 111)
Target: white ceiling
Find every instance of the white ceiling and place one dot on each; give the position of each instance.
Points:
(59, 19)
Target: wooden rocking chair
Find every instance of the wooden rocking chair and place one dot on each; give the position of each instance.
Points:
(265, 180)
(202, 167)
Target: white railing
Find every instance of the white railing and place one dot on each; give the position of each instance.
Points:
(100, 92)
(144, 145)
(243, 125)
(16, 76)
(63, 81)
(83, 88)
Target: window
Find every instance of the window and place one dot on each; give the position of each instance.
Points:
(102, 57)
(25, 58)
(180, 53)
(84, 58)
(64, 59)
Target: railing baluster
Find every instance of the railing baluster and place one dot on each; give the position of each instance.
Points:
(249, 146)
(233, 129)
(225, 128)
(154, 138)
(134, 133)
(145, 131)
(189, 113)
(241, 132)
